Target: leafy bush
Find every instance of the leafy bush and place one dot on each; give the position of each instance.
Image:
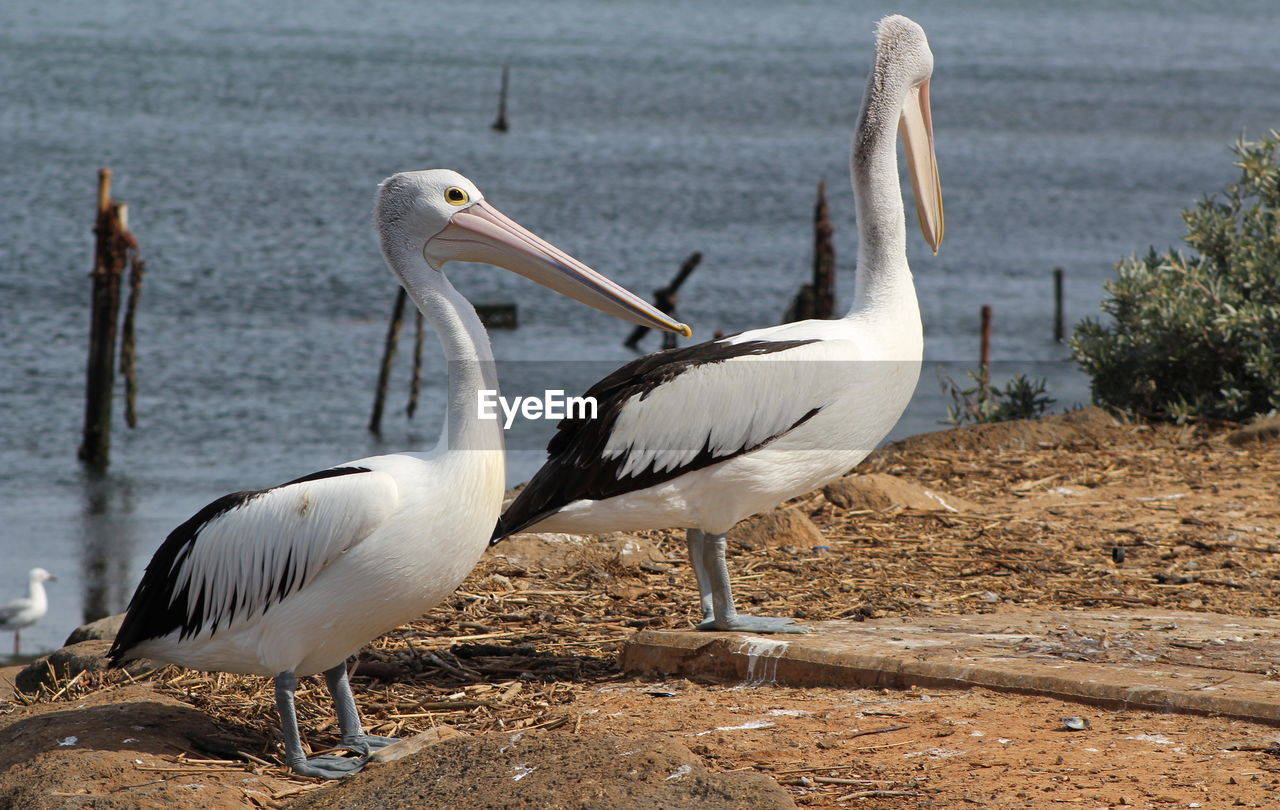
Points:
(1019, 399)
(1198, 337)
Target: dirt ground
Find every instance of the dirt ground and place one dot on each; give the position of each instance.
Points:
(1069, 512)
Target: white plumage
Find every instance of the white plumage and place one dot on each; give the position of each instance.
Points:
(293, 580)
(26, 611)
(706, 435)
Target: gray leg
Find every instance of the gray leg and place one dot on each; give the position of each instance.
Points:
(326, 767)
(696, 540)
(353, 736)
(726, 616)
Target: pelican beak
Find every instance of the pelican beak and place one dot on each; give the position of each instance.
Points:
(916, 126)
(480, 233)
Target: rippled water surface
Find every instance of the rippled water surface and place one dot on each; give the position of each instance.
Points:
(247, 139)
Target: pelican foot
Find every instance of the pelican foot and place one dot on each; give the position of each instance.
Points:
(754, 624)
(367, 743)
(329, 767)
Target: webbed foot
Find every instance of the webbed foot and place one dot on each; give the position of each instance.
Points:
(328, 766)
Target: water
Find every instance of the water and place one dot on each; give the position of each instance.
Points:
(248, 138)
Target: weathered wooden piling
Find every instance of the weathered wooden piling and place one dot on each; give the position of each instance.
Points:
(817, 299)
(665, 299)
(824, 258)
(415, 383)
(500, 123)
(129, 342)
(984, 364)
(388, 359)
(111, 252)
(1059, 322)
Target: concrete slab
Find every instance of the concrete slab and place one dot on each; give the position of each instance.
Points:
(1201, 663)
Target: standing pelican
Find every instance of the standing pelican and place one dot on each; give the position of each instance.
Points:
(292, 580)
(21, 612)
(704, 436)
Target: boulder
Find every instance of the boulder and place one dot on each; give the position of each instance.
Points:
(781, 527)
(551, 769)
(1262, 429)
(68, 662)
(878, 491)
(103, 629)
(553, 550)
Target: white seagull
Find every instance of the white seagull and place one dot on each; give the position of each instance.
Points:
(704, 436)
(22, 612)
(292, 580)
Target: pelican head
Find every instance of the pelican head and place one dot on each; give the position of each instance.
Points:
(903, 55)
(441, 216)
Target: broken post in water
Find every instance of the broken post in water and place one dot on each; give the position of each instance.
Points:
(112, 244)
(500, 124)
(388, 359)
(665, 300)
(984, 363)
(415, 383)
(1059, 324)
(818, 298)
(129, 341)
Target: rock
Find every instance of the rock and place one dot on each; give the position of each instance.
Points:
(1089, 426)
(1262, 429)
(878, 491)
(630, 551)
(87, 656)
(552, 769)
(103, 629)
(416, 743)
(540, 550)
(781, 527)
(553, 550)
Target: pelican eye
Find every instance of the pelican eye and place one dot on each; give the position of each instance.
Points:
(456, 196)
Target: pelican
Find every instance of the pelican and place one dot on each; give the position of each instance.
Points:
(24, 612)
(291, 581)
(704, 436)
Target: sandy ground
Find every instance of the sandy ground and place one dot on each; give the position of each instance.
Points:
(531, 646)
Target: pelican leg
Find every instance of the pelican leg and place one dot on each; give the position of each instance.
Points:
(17, 642)
(325, 767)
(726, 615)
(353, 736)
(697, 542)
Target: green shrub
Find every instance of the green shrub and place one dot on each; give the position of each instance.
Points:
(1196, 337)
(1019, 399)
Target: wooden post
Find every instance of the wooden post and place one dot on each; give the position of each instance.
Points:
(110, 253)
(500, 124)
(824, 259)
(415, 384)
(665, 300)
(1059, 324)
(388, 358)
(984, 366)
(128, 342)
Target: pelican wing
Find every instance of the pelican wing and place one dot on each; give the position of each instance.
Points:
(246, 551)
(668, 414)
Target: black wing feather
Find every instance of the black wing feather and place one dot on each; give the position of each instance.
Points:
(576, 468)
(156, 609)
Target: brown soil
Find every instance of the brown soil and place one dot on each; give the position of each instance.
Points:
(523, 648)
